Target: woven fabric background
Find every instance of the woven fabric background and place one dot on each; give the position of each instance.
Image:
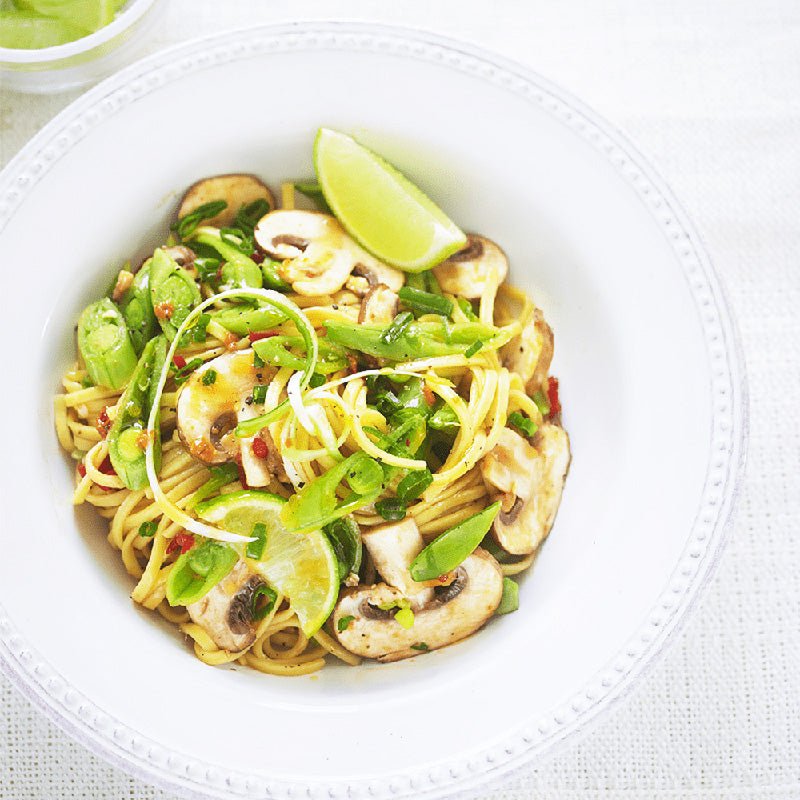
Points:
(710, 91)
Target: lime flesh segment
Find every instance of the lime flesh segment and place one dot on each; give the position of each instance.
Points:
(380, 208)
(21, 30)
(301, 566)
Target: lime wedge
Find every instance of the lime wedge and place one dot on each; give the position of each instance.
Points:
(89, 15)
(301, 566)
(22, 30)
(380, 208)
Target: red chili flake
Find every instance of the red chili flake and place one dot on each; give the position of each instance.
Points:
(182, 541)
(408, 442)
(107, 469)
(256, 335)
(260, 447)
(164, 310)
(82, 469)
(179, 361)
(103, 423)
(552, 396)
(259, 256)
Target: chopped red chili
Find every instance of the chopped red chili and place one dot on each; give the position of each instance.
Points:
(107, 469)
(256, 335)
(179, 361)
(103, 423)
(164, 310)
(182, 541)
(260, 447)
(258, 256)
(82, 469)
(552, 396)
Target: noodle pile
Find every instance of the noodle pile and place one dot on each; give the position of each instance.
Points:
(479, 390)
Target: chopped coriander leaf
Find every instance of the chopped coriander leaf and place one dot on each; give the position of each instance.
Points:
(259, 394)
(344, 623)
(421, 646)
(256, 549)
(473, 348)
(148, 529)
(207, 268)
(198, 330)
(391, 508)
(209, 377)
(414, 484)
(262, 590)
(316, 380)
(525, 425)
(425, 302)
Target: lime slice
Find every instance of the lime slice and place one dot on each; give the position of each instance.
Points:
(380, 208)
(22, 30)
(89, 15)
(301, 566)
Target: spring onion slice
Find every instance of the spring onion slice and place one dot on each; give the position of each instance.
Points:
(176, 514)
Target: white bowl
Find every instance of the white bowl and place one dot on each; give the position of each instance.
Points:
(652, 386)
(68, 66)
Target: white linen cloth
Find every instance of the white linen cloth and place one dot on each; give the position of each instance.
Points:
(710, 91)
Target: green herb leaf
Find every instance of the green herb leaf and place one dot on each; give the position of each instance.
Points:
(259, 394)
(421, 646)
(414, 484)
(391, 508)
(255, 549)
(209, 377)
(473, 348)
(260, 610)
(344, 622)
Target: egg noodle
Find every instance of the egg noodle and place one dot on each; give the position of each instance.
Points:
(457, 491)
(312, 427)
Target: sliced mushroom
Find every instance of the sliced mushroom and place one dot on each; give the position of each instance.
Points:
(226, 612)
(317, 255)
(181, 254)
(236, 190)
(393, 547)
(529, 354)
(375, 273)
(378, 306)
(208, 413)
(452, 613)
(469, 271)
(529, 480)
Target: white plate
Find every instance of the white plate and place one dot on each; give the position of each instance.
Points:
(652, 387)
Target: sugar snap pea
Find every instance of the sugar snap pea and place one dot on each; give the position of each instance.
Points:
(137, 308)
(105, 344)
(173, 292)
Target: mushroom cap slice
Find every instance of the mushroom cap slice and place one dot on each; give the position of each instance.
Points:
(529, 504)
(451, 614)
(236, 190)
(317, 254)
(471, 270)
(378, 306)
(226, 612)
(529, 354)
(393, 547)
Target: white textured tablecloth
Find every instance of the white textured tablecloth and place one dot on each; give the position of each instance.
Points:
(710, 91)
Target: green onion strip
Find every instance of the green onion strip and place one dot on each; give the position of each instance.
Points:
(176, 514)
